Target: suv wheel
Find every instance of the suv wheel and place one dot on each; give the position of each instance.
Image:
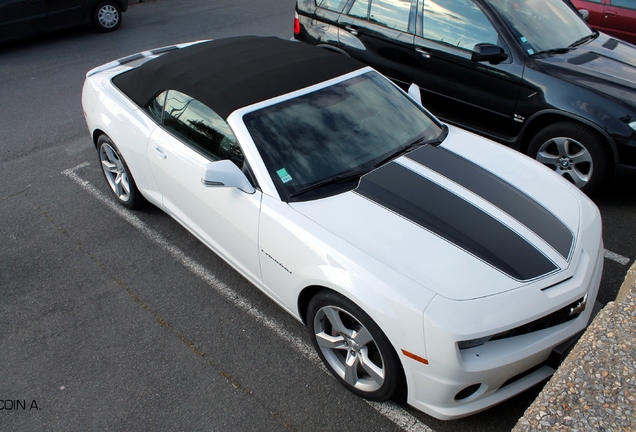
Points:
(107, 16)
(573, 151)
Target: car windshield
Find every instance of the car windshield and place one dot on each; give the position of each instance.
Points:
(543, 25)
(320, 143)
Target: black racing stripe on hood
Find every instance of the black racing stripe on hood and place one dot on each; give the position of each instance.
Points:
(440, 211)
(499, 193)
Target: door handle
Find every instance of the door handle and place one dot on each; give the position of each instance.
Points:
(160, 154)
(353, 30)
(610, 13)
(423, 52)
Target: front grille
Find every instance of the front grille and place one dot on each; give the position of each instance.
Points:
(565, 314)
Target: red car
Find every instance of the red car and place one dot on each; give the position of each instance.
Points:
(614, 17)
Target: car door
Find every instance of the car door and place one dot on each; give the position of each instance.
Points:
(619, 19)
(380, 33)
(20, 18)
(595, 10)
(191, 135)
(64, 13)
(478, 95)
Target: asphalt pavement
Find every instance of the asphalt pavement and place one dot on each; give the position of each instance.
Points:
(122, 320)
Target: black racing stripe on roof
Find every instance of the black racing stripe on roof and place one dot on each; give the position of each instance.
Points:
(130, 58)
(499, 193)
(438, 210)
(228, 74)
(164, 49)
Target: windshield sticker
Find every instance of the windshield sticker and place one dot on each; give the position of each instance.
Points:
(284, 177)
(523, 39)
(530, 51)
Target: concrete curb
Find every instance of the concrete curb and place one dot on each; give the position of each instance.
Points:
(595, 387)
(629, 284)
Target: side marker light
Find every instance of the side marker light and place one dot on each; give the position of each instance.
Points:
(415, 357)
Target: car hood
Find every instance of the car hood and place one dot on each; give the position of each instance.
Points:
(460, 229)
(605, 65)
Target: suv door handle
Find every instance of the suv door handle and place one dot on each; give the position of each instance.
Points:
(423, 52)
(352, 29)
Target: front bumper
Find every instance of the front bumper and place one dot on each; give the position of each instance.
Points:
(459, 382)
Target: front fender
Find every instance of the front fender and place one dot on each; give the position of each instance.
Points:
(545, 117)
(552, 93)
(297, 254)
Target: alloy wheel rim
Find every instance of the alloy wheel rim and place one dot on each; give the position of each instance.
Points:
(115, 172)
(349, 348)
(569, 158)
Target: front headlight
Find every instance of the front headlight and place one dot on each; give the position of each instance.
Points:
(632, 125)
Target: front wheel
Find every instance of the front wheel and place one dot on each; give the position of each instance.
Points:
(107, 16)
(575, 152)
(353, 347)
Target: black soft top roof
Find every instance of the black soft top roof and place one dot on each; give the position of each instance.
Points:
(227, 74)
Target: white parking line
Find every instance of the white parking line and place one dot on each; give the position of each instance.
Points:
(388, 409)
(616, 257)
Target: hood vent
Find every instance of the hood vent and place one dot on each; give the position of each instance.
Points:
(584, 58)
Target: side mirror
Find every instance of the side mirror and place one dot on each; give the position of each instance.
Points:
(415, 93)
(585, 14)
(488, 52)
(225, 173)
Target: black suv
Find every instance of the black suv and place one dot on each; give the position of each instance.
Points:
(528, 73)
(29, 17)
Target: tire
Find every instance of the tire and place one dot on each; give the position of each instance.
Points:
(575, 152)
(353, 347)
(107, 16)
(117, 174)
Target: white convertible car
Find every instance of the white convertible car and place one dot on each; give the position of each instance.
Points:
(422, 258)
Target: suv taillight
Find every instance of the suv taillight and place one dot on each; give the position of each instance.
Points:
(296, 24)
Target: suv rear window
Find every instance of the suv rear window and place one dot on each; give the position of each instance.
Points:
(460, 23)
(334, 5)
(393, 14)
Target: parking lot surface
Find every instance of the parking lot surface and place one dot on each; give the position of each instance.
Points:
(123, 320)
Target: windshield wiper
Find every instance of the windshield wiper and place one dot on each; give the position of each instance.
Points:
(340, 178)
(554, 51)
(418, 142)
(573, 45)
(584, 39)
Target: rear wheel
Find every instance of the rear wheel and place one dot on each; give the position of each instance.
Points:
(575, 152)
(117, 174)
(107, 16)
(353, 347)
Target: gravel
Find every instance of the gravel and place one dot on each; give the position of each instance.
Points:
(595, 387)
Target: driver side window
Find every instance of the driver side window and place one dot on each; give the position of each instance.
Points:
(197, 125)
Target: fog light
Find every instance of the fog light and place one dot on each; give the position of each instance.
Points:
(467, 392)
